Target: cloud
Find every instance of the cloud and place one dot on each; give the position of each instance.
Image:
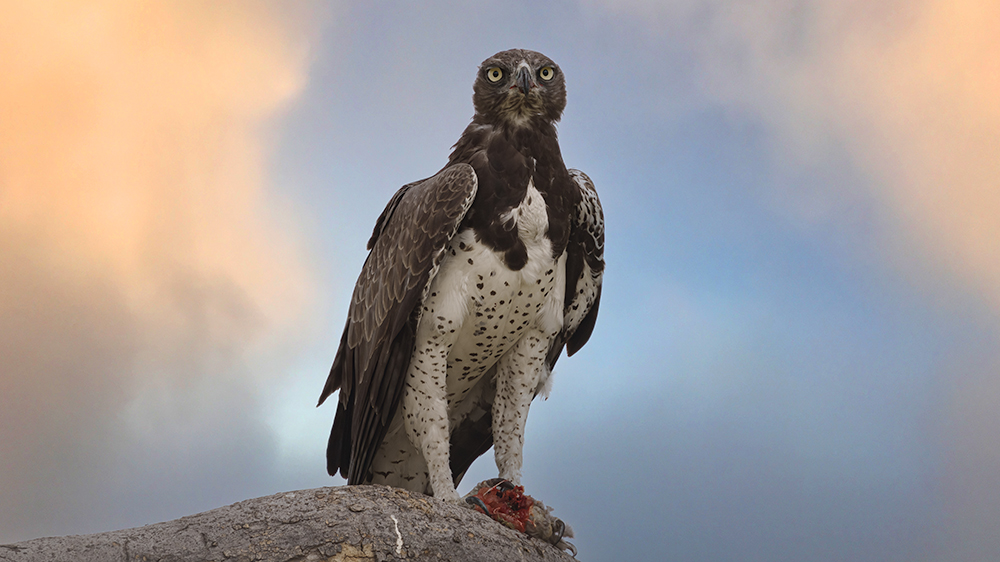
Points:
(143, 261)
(907, 89)
(969, 473)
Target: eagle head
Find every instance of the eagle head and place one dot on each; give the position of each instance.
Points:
(518, 87)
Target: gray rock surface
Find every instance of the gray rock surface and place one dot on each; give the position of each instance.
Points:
(344, 524)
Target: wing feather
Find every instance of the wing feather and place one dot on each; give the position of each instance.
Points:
(584, 270)
(407, 245)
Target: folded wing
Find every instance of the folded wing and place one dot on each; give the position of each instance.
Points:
(407, 245)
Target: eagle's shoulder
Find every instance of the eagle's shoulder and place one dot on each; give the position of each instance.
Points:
(407, 244)
(451, 186)
(584, 268)
(585, 265)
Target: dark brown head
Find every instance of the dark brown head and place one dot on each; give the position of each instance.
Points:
(517, 87)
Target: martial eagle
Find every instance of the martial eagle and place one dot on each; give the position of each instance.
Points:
(477, 279)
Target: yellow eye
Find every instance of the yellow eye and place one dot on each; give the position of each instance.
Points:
(494, 74)
(547, 73)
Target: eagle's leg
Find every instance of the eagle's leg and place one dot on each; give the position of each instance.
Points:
(426, 414)
(518, 375)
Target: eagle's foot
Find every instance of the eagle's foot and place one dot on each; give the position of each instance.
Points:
(507, 504)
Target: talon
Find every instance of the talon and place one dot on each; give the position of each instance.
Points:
(477, 503)
(558, 528)
(504, 485)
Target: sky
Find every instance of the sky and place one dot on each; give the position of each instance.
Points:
(798, 350)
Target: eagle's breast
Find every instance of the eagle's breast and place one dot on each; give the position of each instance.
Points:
(483, 306)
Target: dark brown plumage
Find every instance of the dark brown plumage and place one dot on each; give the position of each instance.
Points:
(468, 269)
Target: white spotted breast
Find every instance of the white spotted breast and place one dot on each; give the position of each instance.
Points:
(483, 307)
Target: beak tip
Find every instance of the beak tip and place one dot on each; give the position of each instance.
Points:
(524, 82)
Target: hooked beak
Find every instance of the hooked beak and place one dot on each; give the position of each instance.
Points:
(523, 80)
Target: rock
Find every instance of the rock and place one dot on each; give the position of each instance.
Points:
(344, 524)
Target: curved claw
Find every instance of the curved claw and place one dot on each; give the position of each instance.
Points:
(558, 528)
(477, 503)
(504, 485)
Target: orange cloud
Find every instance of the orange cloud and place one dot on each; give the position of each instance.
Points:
(909, 89)
(133, 148)
(139, 245)
(931, 131)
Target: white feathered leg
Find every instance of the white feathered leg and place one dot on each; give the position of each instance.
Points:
(426, 417)
(518, 375)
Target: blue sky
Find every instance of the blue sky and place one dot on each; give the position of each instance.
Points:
(797, 351)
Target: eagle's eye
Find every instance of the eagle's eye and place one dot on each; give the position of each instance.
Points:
(494, 74)
(547, 73)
